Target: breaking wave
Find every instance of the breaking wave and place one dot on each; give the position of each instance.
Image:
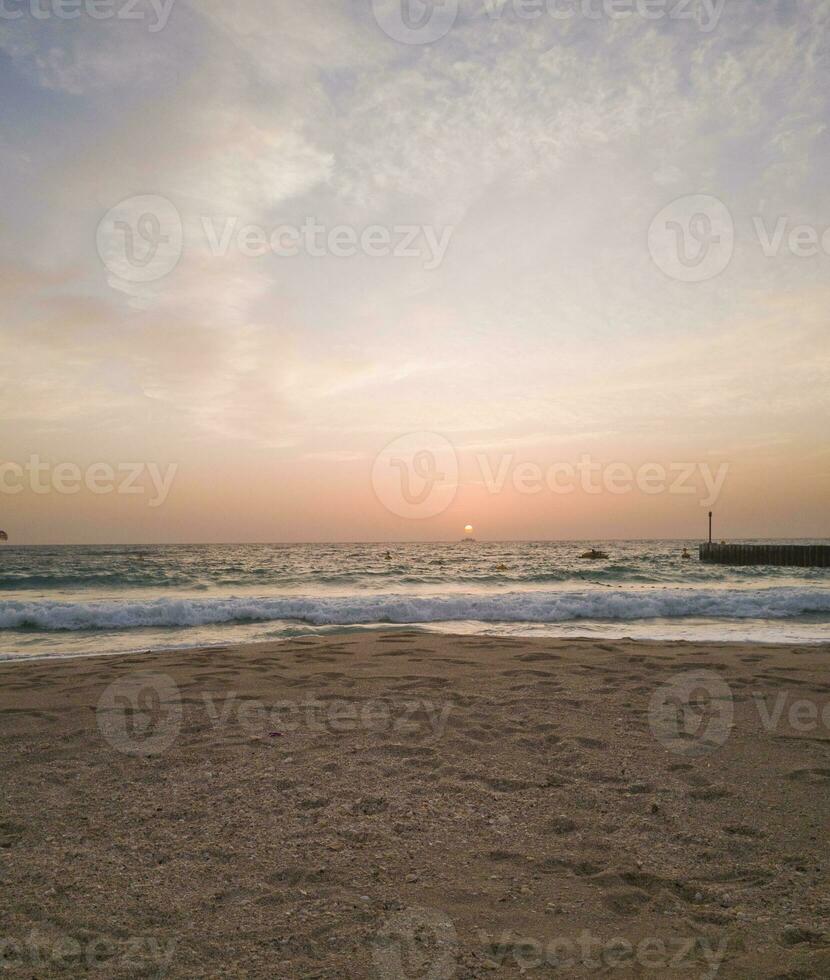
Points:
(510, 607)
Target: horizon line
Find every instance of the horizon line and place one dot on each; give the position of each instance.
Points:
(378, 541)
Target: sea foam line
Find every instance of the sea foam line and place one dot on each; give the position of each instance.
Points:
(512, 607)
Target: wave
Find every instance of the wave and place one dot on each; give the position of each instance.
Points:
(390, 578)
(108, 580)
(509, 607)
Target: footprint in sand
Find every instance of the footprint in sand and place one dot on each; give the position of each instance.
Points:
(590, 743)
(636, 789)
(502, 784)
(811, 775)
(235, 896)
(10, 832)
(742, 830)
(562, 825)
(500, 856)
(710, 793)
(604, 778)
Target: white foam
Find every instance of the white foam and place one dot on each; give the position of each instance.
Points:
(510, 607)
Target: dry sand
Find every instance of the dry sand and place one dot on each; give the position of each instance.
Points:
(411, 805)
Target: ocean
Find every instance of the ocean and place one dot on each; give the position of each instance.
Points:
(82, 600)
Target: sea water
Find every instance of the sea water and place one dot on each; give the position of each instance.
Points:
(79, 600)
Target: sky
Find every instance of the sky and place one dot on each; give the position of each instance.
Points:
(352, 270)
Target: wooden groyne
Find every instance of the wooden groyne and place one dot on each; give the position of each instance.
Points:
(793, 555)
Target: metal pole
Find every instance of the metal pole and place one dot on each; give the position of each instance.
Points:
(710, 527)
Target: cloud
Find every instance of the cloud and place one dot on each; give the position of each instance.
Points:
(548, 146)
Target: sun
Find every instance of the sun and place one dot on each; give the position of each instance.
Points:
(468, 528)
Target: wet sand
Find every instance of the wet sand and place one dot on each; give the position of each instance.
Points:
(411, 805)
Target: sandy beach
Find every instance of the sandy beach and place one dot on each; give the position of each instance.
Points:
(401, 804)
